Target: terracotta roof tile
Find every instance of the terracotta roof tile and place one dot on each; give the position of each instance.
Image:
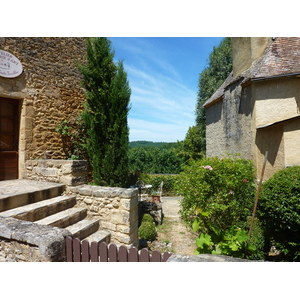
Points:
(281, 57)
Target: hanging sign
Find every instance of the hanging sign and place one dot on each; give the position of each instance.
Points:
(10, 66)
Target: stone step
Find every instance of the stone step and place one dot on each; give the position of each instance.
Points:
(40, 210)
(16, 193)
(83, 228)
(99, 236)
(64, 218)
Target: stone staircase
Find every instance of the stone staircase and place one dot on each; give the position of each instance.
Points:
(43, 203)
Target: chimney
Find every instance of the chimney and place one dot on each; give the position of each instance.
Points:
(245, 50)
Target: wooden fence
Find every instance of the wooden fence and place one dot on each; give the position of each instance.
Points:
(82, 251)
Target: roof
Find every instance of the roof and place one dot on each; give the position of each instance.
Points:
(281, 58)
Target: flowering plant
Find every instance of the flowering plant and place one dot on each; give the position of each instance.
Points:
(217, 192)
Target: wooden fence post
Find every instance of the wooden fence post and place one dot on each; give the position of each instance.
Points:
(94, 252)
(103, 252)
(76, 250)
(69, 249)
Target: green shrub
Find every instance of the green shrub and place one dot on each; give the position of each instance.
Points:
(147, 230)
(147, 218)
(258, 240)
(233, 242)
(217, 192)
(279, 211)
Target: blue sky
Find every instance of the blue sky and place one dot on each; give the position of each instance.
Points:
(163, 75)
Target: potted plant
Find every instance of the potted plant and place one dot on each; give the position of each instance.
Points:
(157, 194)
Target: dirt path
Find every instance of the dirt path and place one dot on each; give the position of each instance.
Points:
(173, 235)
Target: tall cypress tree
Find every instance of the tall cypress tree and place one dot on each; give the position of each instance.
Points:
(115, 162)
(105, 85)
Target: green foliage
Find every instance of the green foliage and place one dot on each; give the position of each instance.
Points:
(217, 192)
(147, 218)
(279, 211)
(192, 146)
(155, 180)
(233, 242)
(148, 144)
(105, 115)
(74, 139)
(154, 160)
(258, 240)
(147, 230)
(211, 78)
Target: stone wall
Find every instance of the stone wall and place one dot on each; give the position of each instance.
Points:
(27, 241)
(14, 251)
(277, 119)
(68, 172)
(117, 209)
(229, 124)
(48, 91)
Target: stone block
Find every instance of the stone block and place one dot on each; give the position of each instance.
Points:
(94, 209)
(45, 171)
(120, 216)
(50, 240)
(67, 169)
(129, 193)
(121, 238)
(127, 229)
(88, 200)
(129, 203)
(106, 214)
(84, 190)
(108, 225)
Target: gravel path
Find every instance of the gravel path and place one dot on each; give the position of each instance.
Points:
(182, 239)
(171, 207)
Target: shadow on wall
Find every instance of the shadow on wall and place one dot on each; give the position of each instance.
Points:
(270, 139)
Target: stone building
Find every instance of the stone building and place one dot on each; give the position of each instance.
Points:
(34, 102)
(257, 107)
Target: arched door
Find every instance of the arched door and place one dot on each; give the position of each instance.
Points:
(9, 138)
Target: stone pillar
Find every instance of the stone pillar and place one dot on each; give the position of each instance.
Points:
(116, 208)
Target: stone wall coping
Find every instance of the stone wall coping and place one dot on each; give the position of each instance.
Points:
(60, 161)
(50, 240)
(206, 258)
(104, 192)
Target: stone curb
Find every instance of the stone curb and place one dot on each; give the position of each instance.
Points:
(50, 240)
(205, 258)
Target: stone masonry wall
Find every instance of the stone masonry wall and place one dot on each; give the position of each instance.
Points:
(117, 209)
(48, 91)
(68, 172)
(14, 251)
(228, 124)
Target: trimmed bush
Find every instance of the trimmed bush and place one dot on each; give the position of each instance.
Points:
(147, 218)
(147, 230)
(279, 211)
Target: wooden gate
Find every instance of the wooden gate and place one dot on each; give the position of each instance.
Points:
(82, 251)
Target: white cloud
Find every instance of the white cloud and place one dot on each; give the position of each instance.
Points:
(162, 105)
(156, 131)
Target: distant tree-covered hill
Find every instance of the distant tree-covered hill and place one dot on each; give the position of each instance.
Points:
(154, 157)
(148, 144)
